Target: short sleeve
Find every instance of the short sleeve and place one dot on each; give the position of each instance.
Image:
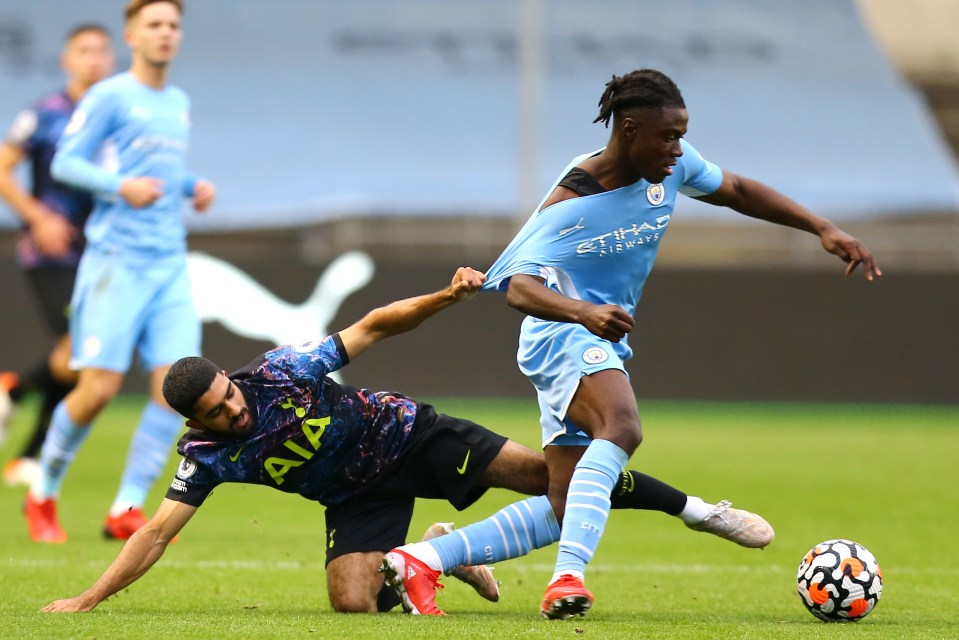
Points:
(702, 177)
(21, 131)
(192, 483)
(310, 360)
(88, 129)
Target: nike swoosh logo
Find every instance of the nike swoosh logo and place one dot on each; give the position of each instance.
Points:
(236, 455)
(461, 470)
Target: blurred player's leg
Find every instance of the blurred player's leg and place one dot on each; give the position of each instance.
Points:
(23, 469)
(69, 427)
(52, 378)
(149, 450)
(169, 331)
(8, 382)
(60, 447)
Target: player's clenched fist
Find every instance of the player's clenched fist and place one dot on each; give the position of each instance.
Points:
(607, 321)
(466, 282)
(141, 192)
(204, 193)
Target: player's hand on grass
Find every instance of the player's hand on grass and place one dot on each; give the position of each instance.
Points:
(852, 252)
(69, 605)
(466, 283)
(141, 192)
(204, 193)
(52, 234)
(606, 321)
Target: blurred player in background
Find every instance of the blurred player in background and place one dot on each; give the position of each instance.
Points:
(51, 240)
(577, 269)
(126, 143)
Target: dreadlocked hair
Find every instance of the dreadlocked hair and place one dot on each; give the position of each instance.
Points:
(640, 89)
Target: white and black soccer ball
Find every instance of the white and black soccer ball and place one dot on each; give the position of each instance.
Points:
(839, 581)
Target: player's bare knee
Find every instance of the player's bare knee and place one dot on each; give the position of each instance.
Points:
(350, 594)
(622, 428)
(352, 603)
(97, 391)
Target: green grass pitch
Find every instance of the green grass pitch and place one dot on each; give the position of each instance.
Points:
(250, 564)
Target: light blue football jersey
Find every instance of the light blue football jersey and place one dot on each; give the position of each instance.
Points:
(121, 129)
(600, 248)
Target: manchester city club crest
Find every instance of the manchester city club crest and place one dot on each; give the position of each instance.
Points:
(655, 194)
(595, 355)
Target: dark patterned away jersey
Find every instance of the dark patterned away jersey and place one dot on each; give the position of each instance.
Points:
(312, 436)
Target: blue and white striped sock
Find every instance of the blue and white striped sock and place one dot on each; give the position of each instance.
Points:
(148, 454)
(511, 532)
(587, 505)
(59, 449)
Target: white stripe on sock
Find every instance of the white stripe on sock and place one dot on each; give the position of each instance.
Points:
(570, 507)
(466, 541)
(589, 552)
(522, 521)
(604, 487)
(501, 532)
(598, 496)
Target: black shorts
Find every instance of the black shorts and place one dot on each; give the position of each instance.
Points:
(52, 287)
(445, 458)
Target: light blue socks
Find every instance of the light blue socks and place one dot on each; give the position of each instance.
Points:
(587, 505)
(147, 457)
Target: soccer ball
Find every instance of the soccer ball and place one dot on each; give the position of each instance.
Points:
(839, 581)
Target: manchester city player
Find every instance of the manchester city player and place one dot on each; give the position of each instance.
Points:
(281, 422)
(51, 240)
(577, 269)
(126, 143)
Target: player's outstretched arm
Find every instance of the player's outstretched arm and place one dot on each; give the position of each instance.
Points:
(527, 294)
(405, 315)
(757, 200)
(136, 557)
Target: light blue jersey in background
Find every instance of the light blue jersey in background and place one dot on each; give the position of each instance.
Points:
(124, 129)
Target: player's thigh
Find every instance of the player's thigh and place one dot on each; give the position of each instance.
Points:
(353, 581)
(446, 458)
(518, 468)
(171, 325)
(357, 532)
(604, 407)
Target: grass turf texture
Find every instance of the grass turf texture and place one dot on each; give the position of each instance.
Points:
(250, 563)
